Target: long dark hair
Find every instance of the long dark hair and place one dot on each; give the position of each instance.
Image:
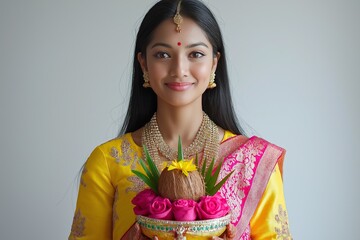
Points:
(216, 102)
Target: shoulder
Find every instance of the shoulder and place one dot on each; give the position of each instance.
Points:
(227, 136)
(266, 143)
(117, 146)
(254, 142)
(251, 140)
(126, 138)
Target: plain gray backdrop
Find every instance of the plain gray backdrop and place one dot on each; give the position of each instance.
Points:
(65, 79)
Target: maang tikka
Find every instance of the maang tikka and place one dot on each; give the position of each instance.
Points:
(178, 19)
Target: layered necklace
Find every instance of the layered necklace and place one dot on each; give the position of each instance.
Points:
(206, 142)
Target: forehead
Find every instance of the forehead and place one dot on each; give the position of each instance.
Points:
(190, 33)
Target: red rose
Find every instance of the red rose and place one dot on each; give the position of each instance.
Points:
(210, 207)
(184, 210)
(142, 202)
(161, 208)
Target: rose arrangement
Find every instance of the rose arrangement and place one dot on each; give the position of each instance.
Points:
(148, 204)
(181, 192)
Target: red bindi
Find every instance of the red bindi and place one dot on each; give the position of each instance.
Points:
(179, 43)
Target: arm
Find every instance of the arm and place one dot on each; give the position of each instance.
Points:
(93, 214)
(270, 218)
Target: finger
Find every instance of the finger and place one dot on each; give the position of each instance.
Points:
(137, 232)
(155, 238)
(230, 233)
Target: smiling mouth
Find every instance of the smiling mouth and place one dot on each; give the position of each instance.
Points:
(179, 86)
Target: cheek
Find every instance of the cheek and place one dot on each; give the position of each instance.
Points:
(157, 71)
(201, 72)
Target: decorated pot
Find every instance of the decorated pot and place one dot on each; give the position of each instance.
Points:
(181, 230)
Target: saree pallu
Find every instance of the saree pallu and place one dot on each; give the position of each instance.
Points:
(253, 161)
(254, 191)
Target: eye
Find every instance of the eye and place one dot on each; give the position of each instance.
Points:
(196, 55)
(162, 55)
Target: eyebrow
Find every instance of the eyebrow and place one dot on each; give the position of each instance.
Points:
(188, 46)
(197, 44)
(161, 45)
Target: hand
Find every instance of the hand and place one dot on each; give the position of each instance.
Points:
(134, 233)
(228, 235)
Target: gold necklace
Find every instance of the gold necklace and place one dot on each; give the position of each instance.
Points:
(206, 142)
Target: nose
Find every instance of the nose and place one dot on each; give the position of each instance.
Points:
(179, 66)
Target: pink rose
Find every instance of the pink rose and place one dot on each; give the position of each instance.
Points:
(161, 208)
(142, 202)
(184, 210)
(210, 207)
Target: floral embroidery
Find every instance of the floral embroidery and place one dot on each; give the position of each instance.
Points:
(115, 215)
(138, 184)
(78, 226)
(127, 156)
(84, 171)
(127, 152)
(281, 218)
(115, 154)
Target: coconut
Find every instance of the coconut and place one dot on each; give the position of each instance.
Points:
(176, 185)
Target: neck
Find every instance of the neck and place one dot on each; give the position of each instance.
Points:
(174, 122)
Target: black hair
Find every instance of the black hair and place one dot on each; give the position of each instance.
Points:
(216, 102)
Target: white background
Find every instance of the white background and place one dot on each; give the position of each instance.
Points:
(64, 83)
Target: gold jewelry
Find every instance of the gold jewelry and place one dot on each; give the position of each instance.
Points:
(178, 19)
(146, 80)
(212, 83)
(206, 141)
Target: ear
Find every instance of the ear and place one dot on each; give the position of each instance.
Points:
(142, 60)
(215, 61)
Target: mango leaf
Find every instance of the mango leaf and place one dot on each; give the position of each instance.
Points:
(180, 150)
(146, 180)
(203, 169)
(151, 176)
(216, 188)
(214, 177)
(143, 165)
(209, 171)
(210, 177)
(153, 169)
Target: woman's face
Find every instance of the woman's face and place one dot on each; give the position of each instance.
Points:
(179, 64)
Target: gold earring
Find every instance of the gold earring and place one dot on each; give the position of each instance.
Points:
(146, 80)
(212, 83)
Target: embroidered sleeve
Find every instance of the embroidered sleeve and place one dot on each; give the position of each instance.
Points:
(93, 214)
(270, 219)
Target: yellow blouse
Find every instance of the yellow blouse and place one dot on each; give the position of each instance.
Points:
(104, 210)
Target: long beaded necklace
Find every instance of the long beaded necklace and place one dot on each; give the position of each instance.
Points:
(206, 141)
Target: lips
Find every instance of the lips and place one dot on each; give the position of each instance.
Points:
(179, 86)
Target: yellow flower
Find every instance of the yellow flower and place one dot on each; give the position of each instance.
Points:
(185, 166)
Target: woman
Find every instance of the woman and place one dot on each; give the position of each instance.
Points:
(180, 88)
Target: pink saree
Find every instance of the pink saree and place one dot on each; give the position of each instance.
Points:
(253, 160)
